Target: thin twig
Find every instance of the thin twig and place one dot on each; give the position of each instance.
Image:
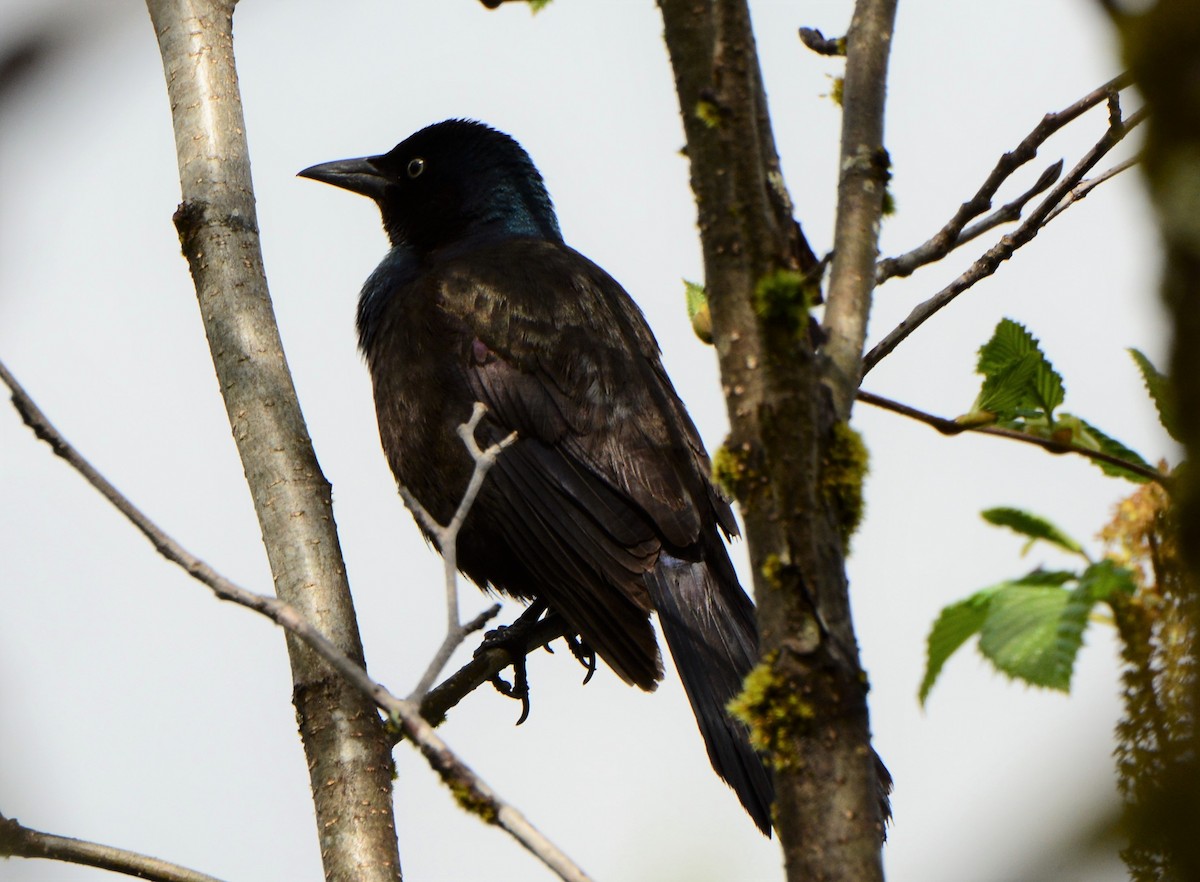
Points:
(951, 235)
(1086, 187)
(467, 787)
(953, 427)
(1010, 211)
(1007, 246)
(17, 840)
(447, 542)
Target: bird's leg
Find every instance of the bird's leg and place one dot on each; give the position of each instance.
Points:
(511, 638)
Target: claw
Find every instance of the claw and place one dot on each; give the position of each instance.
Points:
(518, 689)
(583, 653)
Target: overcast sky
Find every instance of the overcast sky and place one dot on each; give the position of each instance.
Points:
(136, 710)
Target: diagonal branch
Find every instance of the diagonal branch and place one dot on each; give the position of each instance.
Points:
(17, 840)
(468, 788)
(1008, 245)
(952, 234)
(953, 427)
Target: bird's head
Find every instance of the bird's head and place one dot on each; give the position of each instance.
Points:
(451, 182)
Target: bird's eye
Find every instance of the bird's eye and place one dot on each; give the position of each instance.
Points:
(415, 167)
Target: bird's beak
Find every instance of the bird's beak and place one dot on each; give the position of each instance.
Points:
(356, 175)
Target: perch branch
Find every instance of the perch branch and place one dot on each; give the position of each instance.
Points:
(468, 788)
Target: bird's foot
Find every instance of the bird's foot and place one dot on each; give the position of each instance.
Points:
(583, 653)
(518, 688)
(512, 639)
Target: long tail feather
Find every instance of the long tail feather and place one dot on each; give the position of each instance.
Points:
(708, 622)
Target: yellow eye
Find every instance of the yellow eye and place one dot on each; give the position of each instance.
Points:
(415, 167)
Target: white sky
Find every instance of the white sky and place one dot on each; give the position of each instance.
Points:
(137, 711)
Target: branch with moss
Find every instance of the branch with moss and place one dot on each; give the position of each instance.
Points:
(758, 280)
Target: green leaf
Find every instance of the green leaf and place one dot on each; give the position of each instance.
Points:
(1105, 579)
(1033, 526)
(696, 297)
(1045, 577)
(955, 625)
(1159, 388)
(1017, 375)
(1010, 341)
(1008, 390)
(697, 309)
(1097, 440)
(1033, 633)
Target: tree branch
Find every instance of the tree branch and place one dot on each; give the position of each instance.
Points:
(467, 787)
(864, 175)
(447, 542)
(953, 427)
(952, 234)
(17, 840)
(827, 805)
(1008, 245)
(344, 740)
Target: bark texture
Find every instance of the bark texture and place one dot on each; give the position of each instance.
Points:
(1163, 50)
(348, 752)
(790, 461)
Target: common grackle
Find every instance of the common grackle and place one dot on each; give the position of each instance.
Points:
(603, 508)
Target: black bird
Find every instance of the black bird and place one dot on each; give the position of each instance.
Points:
(603, 508)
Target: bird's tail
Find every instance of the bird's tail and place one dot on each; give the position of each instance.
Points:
(709, 625)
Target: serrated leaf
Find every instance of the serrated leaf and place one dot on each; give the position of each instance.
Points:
(955, 625)
(1009, 342)
(1159, 388)
(1033, 526)
(1017, 375)
(1034, 633)
(1049, 387)
(1097, 440)
(1009, 389)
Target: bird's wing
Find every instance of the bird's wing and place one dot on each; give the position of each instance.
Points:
(559, 353)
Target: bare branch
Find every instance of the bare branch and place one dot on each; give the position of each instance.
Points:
(863, 181)
(953, 427)
(467, 787)
(344, 742)
(951, 235)
(17, 840)
(936, 248)
(1007, 246)
(447, 542)
(1085, 187)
